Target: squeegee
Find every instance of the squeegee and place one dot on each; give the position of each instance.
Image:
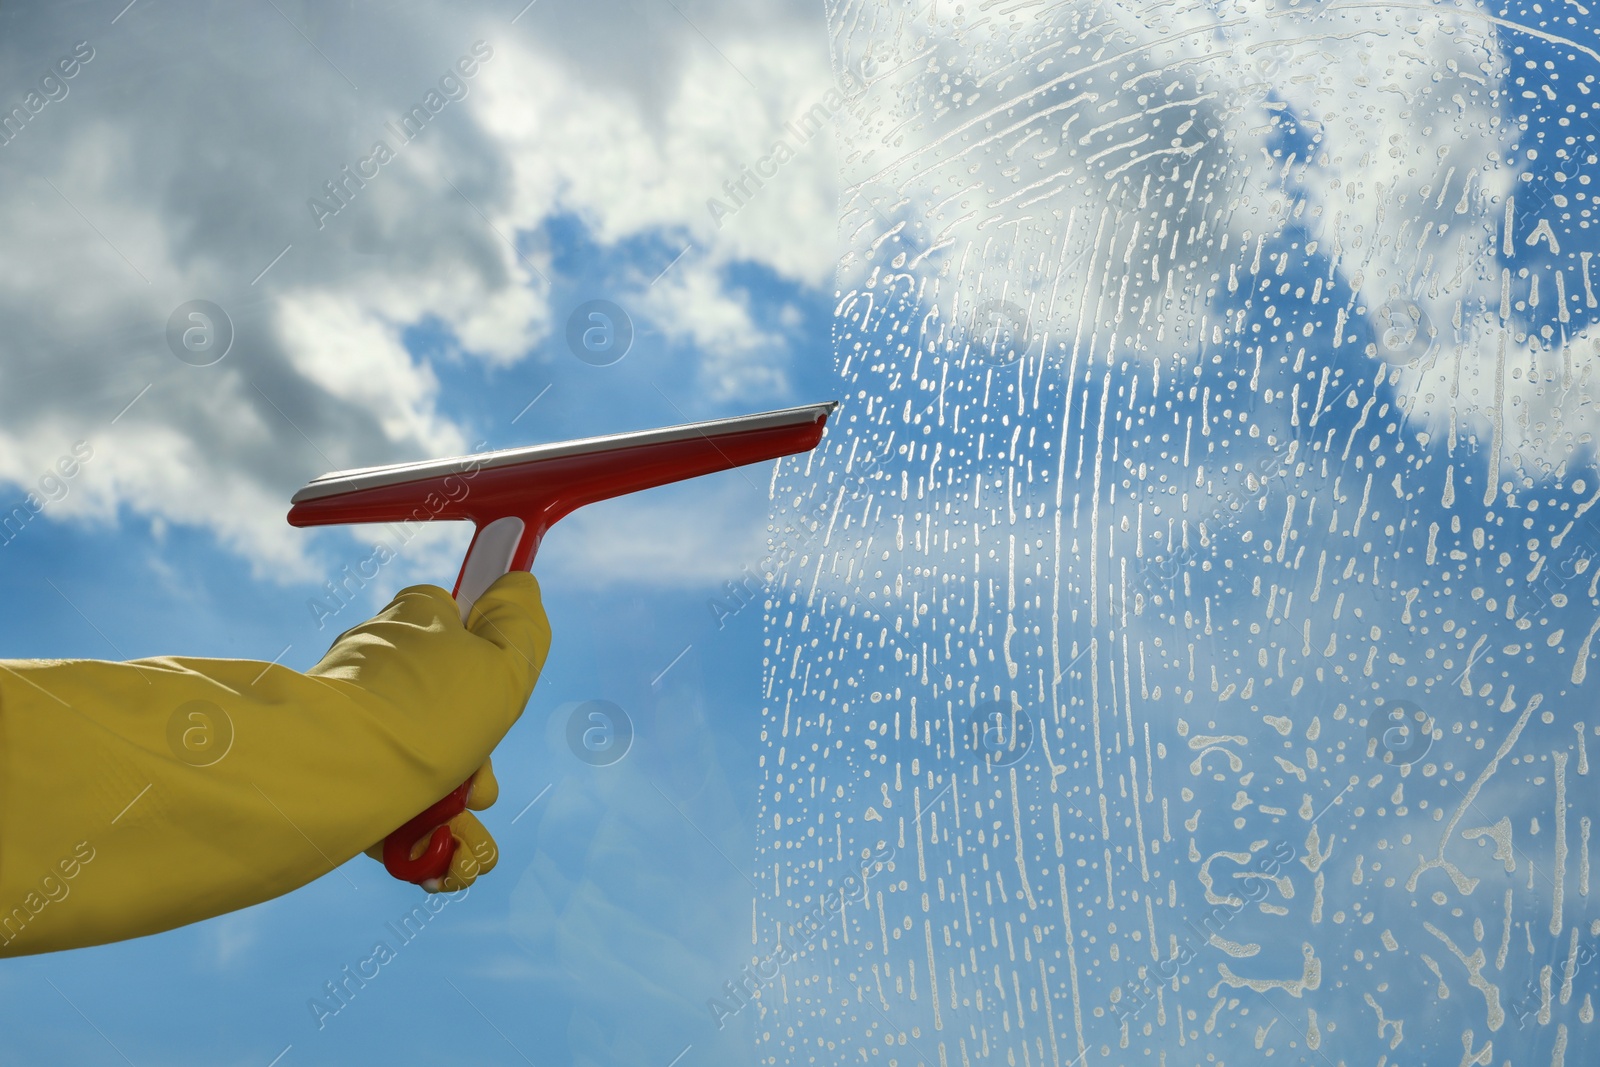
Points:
(513, 497)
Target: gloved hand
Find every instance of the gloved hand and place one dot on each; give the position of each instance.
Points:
(111, 825)
(476, 853)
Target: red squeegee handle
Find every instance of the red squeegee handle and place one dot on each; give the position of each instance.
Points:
(433, 826)
(502, 546)
(514, 511)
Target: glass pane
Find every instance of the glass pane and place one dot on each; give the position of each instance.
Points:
(1176, 651)
(1183, 655)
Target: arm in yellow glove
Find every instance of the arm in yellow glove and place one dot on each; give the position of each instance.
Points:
(108, 829)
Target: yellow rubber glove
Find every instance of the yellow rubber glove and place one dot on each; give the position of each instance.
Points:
(136, 797)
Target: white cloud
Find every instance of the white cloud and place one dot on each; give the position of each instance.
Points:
(592, 151)
(355, 358)
(693, 306)
(202, 192)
